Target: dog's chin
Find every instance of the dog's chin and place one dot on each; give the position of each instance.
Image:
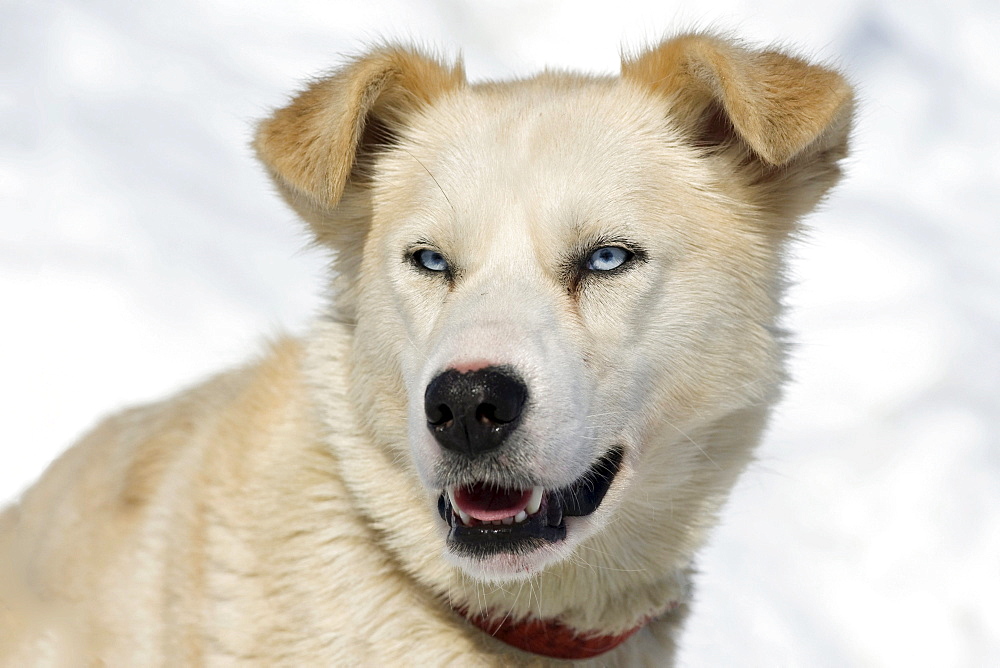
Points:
(523, 560)
(497, 534)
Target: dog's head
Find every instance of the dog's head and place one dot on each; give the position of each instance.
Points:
(554, 281)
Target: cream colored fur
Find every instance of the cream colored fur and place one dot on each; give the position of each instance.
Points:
(285, 513)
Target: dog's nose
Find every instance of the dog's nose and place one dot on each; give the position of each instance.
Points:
(474, 412)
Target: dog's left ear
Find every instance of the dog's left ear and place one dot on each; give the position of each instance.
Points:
(783, 122)
(329, 135)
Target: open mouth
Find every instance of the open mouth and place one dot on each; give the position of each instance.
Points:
(486, 519)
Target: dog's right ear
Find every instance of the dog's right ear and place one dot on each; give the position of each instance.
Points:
(314, 146)
(781, 122)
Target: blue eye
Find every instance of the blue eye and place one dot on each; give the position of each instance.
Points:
(608, 258)
(430, 260)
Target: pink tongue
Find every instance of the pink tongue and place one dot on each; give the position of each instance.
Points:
(488, 503)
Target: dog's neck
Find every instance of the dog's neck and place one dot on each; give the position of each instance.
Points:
(550, 637)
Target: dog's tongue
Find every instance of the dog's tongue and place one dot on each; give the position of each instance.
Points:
(486, 503)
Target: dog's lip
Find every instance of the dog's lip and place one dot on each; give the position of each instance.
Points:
(509, 521)
(586, 493)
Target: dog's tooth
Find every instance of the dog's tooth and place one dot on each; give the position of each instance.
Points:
(466, 520)
(536, 500)
(520, 517)
(507, 520)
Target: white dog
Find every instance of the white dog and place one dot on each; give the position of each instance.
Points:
(552, 347)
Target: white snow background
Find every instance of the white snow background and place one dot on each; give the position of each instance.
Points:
(142, 248)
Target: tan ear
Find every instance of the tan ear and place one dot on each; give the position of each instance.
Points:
(778, 106)
(313, 145)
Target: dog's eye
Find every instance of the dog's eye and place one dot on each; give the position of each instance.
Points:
(430, 260)
(608, 258)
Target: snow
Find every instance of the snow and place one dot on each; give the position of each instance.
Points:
(141, 248)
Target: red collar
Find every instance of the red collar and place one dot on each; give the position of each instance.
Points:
(550, 638)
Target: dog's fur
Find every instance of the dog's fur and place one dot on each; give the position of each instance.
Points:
(286, 512)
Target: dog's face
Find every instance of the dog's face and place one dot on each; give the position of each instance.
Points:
(547, 310)
(524, 285)
(547, 276)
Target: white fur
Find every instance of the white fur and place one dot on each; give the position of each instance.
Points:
(285, 513)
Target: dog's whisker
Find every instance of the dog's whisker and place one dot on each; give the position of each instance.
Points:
(513, 604)
(454, 211)
(538, 600)
(413, 344)
(605, 553)
(694, 443)
(594, 415)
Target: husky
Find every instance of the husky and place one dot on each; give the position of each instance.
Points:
(552, 345)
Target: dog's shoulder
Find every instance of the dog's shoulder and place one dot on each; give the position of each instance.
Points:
(122, 498)
(138, 447)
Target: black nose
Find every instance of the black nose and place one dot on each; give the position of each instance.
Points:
(474, 412)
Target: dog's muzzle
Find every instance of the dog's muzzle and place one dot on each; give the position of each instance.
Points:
(471, 414)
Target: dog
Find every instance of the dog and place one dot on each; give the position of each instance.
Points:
(552, 344)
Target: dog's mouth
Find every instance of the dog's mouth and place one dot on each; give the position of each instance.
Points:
(486, 519)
